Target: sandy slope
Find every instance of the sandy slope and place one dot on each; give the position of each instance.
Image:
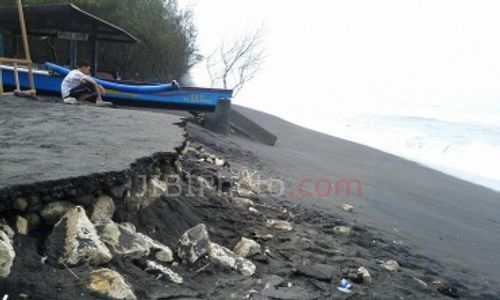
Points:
(444, 217)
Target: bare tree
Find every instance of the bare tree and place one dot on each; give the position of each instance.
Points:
(232, 65)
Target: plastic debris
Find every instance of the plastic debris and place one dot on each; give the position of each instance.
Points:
(5, 297)
(348, 208)
(344, 286)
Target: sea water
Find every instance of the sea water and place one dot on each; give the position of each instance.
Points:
(462, 142)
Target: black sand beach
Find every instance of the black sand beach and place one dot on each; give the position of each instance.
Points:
(445, 217)
(442, 231)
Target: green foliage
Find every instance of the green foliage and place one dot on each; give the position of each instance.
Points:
(167, 49)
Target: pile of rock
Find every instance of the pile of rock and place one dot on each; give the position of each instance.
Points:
(77, 239)
(7, 254)
(196, 243)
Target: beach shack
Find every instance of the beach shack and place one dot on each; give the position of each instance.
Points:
(69, 23)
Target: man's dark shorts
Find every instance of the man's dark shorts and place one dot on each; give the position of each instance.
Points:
(83, 89)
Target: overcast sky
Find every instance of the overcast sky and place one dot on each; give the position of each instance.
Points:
(351, 54)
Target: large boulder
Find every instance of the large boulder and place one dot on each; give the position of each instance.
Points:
(193, 243)
(227, 258)
(7, 254)
(74, 240)
(111, 284)
(53, 211)
(104, 209)
(123, 240)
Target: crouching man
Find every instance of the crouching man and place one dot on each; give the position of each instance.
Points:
(78, 86)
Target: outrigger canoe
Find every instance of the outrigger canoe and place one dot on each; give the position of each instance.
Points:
(170, 96)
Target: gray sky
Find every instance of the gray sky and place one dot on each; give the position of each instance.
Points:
(347, 55)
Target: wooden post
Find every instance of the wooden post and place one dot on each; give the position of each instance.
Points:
(93, 41)
(73, 54)
(1, 81)
(27, 54)
(16, 77)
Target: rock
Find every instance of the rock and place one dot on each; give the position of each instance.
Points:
(74, 240)
(7, 230)
(245, 193)
(165, 271)
(53, 211)
(20, 204)
(118, 191)
(109, 232)
(123, 240)
(188, 150)
(264, 237)
(178, 167)
(254, 211)
(143, 195)
(219, 162)
(247, 247)
(33, 200)
(449, 291)
(342, 230)
(242, 202)
(34, 220)
(104, 209)
(421, 282)
(437, 283)
(111, 284)
(194, 243)
(271, 281)
(7, 254)
(21, 225)
(318, 271)
(289, 293)
(348, 208)
(156, 188)
(285, 214)
(162, 252)
(225, 257)
(366, 275)
(391, 266)
(279, 225)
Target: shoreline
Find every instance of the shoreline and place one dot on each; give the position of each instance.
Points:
(471, 177)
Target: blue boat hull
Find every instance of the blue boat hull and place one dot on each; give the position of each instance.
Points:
(186, 98)
(126, 88)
